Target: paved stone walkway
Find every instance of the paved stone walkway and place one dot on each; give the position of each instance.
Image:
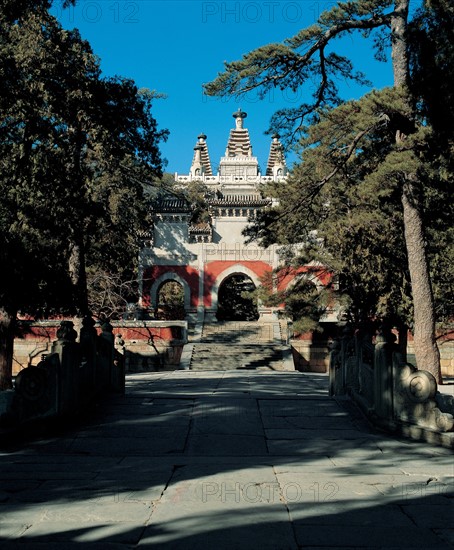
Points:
(224, 460)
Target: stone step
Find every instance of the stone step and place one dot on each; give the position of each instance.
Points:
(243, 332)
(227, 357)
(241, 345)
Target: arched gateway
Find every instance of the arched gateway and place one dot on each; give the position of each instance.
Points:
(228, 295)
(203, 257)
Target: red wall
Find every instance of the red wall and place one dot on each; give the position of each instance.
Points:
(188, 274)
(214, 269)
(212, 272)
(39, 333)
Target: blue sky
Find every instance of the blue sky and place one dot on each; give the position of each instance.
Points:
(175, 46)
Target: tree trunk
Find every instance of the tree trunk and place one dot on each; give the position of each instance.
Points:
(78, 276)
(426, 350)
(76, 266)
(7, 326)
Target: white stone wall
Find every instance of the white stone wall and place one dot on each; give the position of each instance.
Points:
(171, 235)
(230, 229)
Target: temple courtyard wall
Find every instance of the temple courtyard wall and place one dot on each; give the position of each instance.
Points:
(158, 345)
(147, 345)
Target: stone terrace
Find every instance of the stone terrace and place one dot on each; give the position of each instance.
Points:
(225, 460)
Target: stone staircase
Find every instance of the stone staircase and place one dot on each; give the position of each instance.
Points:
(242, 345)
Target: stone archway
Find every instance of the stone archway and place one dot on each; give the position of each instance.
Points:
(159, 283)
(227, 301)
(233, 305)
(170, 301)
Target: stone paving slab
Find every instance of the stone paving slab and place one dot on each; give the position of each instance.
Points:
(158, 419)
(144, 488)
(240, 508)
(446, 534)
(227, 445)
(312, 408)
(433, 515)
(49, 545)
(217, 415)
(296, 434)
(224, 460)
(224, 530)
(135, 431)
(330, 489)
(42, 472)
(318, 445)
(82, 533)
(368, 536)
(306, 423)
(418, 489)
(327, 515)
(110, 446)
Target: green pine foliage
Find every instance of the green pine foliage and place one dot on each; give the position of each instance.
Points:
(305, 60)
(77, 152)
(373, 180)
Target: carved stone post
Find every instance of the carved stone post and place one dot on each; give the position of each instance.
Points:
(383, 380)
(88, 336)
(68, 376)
(415, 398)
(118, 371)
(335, 371)
(354, 356)
(344, 355)
(105, 357)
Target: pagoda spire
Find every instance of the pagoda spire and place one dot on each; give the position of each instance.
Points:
(239, 144)
(201, 164)
(238, 163)
(276, 166)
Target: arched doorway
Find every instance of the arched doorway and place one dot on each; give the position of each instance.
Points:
(235, 302)
(170, 301)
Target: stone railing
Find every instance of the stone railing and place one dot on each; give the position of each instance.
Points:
(70, 377)
(145, 344)
(230, 179)
(150, 345)
(392, 393)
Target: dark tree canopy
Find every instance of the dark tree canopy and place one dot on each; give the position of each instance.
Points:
(77, 151)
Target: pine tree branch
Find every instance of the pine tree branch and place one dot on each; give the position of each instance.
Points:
(316, 188)
(282, 61)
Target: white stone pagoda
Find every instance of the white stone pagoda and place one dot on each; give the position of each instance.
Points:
(201, 257)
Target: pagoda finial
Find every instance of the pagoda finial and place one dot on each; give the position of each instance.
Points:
(238, 116)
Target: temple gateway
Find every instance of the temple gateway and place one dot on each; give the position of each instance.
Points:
(205, 257)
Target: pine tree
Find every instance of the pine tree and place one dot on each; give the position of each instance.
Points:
(76, 151)
(306, 58)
